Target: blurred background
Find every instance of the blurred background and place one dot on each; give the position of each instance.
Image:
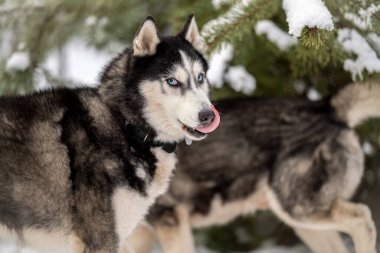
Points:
(53, 43)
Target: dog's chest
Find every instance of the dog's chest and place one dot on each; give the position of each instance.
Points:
(130, 206)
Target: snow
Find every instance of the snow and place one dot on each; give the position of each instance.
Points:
(363, 20)
(310, 13)
(18, 61)
(229, 17)
(275, 35)
(90, 20)
(313, 94)
(217, 4)
(103, 21)
(299, 86)
(375, 39)
(368, 148)
(7, 37)
(240, 80)
(218, 64)
(83, 64)
(366, 59)
(236, 76)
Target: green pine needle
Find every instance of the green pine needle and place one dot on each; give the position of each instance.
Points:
(313, 37)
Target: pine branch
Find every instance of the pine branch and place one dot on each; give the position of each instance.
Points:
(5, 11)
(313, 37)
(237, 21)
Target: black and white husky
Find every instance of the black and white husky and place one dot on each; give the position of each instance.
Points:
(300, 159)
(80, 167)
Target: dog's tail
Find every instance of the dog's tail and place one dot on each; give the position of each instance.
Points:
(357, 102)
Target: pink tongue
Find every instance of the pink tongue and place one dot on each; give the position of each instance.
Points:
(214, 124)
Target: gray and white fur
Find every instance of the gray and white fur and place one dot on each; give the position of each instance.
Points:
(298, 158)
(80, 167)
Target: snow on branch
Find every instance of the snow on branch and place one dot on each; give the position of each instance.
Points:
(375, 39)
(275, 35)
(240, 79)
(363, 20)
(353, 42)
(12, 7)
(217, 4)
(237, 21)
(213, 28)
(307, 13)
(18, 61)
(218, 64)
(236, 76)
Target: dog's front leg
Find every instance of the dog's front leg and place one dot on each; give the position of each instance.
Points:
(77, 245)
(143, 239)
(175, 238)
(125, 247)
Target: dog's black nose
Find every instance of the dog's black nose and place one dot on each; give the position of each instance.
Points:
(206, 116)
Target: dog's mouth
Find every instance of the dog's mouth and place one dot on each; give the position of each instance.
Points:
(193, 133)
(201, 131)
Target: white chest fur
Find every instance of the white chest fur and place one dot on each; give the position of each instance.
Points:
(130, 206)
(56, 240)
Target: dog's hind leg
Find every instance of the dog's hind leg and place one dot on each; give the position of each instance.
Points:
(177, 238)
(355, 220)
(142, 240)
(321, 241)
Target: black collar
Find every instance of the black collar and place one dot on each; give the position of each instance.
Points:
(146, 139)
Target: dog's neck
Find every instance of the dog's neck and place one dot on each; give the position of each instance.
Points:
(141, 134)
(146, 138)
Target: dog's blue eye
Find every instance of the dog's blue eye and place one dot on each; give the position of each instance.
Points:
(200, 78)
(172, 81)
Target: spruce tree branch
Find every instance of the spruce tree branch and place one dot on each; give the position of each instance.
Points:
(35, 48)
(12, 10)
(237, 21)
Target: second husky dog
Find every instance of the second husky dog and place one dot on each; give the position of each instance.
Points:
(301, 159)
(81, 167)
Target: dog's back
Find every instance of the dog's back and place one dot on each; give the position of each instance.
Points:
(299, 158)
(257, 139)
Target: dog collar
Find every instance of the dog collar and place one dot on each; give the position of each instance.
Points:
(146, 139)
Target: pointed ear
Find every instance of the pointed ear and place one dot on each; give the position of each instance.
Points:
(191, 33)
(146, 40)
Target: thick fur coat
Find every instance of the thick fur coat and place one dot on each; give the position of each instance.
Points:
(80, 167)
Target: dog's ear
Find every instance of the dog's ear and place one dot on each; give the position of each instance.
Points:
(146, 40)
(190, 32)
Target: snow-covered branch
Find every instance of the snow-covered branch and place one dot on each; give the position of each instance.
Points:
(311, 13)
(275, 35)
(236, 76)
(367, 59)
(363, 20)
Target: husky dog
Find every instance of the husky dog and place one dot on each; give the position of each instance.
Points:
(301, 159)
(80, 167)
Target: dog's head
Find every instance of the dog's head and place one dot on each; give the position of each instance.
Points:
(166, 81)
